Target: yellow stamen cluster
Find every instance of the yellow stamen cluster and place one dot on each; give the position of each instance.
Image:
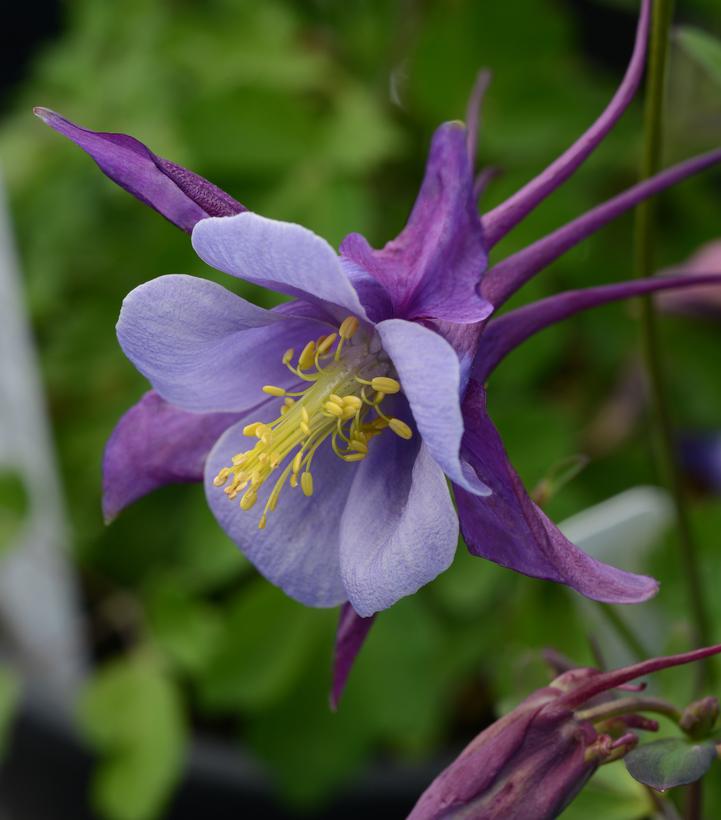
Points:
(335, 405)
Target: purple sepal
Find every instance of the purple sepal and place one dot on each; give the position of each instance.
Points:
(182, 197)
(504, 279)
(350, 637)
(155, 444)
(504, 334)
(433, 268)
(498, 222)
(509, 529)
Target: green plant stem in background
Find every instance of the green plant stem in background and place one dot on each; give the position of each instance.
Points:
(627, 636)
(644, 240)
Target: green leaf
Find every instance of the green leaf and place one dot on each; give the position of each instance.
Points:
(664, 764)
(262, 650)
(702, 47)
(132, 715)
(9, 699)
(613, 795)
(185, 627)
(13, 506)
(311, 749)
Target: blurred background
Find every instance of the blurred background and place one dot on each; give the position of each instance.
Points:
(146, 670)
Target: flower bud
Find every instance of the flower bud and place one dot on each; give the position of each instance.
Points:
(699, 718)
(534, 761)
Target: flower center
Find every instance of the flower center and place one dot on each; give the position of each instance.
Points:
(347, 384)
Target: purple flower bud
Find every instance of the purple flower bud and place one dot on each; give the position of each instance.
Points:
(530, 763)
(535, 760)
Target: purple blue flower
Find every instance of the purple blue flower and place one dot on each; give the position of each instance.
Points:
(326, 430)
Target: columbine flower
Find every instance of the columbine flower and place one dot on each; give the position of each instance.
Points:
(536, 759)
(325, 429)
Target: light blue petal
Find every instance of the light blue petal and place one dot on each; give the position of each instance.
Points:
(281, 256)
(203, 348)
(299, 548)
(430, 374)
(399, 528)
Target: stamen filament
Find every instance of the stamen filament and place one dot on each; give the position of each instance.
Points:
(333, 404)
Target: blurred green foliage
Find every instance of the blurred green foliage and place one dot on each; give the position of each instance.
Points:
(13, 507)
(10, 691)
(321, 112)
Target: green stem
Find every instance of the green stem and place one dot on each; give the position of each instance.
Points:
(645, 234)
(625, 633)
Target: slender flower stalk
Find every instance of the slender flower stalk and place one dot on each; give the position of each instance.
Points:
(645, 229)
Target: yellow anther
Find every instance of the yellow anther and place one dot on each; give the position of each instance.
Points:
(272, 390)
(354, 457)
(307, 357)
(327, 343)
(249, 498)
(222, 477)
(333, 409)
(400, 428)
(348, 327)
(384, 384)
(346, 419)
(306, 483)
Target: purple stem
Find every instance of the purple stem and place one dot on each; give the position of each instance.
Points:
(498, 222)
(505, 278)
